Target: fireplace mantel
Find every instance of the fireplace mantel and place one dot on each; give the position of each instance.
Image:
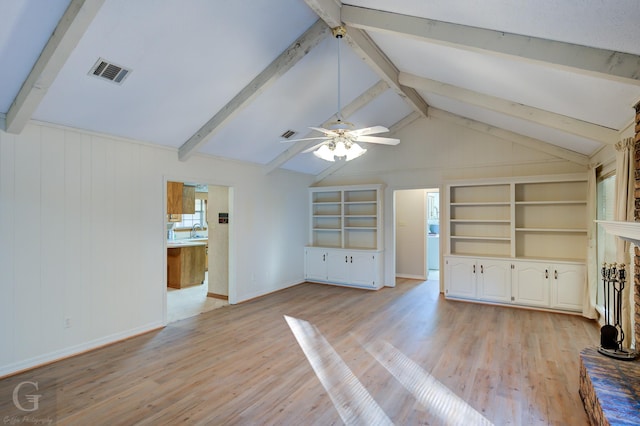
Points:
(629, 231)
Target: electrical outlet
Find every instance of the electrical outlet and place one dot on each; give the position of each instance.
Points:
(67, 323)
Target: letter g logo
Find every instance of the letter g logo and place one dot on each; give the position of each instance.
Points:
(34, 399)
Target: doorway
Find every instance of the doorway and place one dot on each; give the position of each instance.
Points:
(417, 233)
(205, 228)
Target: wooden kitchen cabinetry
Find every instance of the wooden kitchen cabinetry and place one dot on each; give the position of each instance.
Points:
(537, 226)
(181, 198)
(185, 264)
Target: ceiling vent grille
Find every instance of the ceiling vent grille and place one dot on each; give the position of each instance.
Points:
(109, 71)
(288, 134)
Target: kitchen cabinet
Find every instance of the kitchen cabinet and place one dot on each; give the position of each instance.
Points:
(174, 197)
(181, 199)
(357, 268)
(185, 264)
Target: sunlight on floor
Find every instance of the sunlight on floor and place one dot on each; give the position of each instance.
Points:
(436, 398)
(355, 404)
(190, 301)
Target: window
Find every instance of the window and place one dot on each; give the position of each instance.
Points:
(606, 243)
(199, 217)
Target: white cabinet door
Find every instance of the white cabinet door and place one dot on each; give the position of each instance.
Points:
(460, 280)
(338, 267)
(530, 283)
(315, 264)
(494, 280)
(362, 269)
(567, 286)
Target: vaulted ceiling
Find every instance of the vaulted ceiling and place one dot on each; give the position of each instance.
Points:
(228, 78)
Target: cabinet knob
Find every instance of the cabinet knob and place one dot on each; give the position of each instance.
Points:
(482, 269)
(474, 269)
(346, 259)
(555, 274)
(546, 273)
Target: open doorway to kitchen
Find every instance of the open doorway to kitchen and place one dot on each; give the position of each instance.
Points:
(417, 233)
(197, 261)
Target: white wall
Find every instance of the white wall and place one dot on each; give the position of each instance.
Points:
(434, 151)
(218, 279)
(411, 233)
(82, 227)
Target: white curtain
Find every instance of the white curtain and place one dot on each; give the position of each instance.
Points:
(625, 201)
(593, 270)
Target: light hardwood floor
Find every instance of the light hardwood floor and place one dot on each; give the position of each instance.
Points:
(401, 355)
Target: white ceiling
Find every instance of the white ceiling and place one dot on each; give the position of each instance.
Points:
(201, 70)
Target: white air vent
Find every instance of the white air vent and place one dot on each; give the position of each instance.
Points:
(109, 71)
(288, 134)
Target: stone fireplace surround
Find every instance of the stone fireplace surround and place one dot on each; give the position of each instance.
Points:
(610, 388)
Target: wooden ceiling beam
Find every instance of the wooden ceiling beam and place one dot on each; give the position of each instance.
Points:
(616, 66)
(287, 59)
(63, 40)
(330, 11)
(545, 118)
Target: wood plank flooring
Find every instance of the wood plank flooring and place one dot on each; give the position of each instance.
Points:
(405, 352)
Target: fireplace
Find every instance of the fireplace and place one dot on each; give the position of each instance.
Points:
(610, 387)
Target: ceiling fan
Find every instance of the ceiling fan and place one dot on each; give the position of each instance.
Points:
(340, 140)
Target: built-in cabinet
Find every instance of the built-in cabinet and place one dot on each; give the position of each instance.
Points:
(345, 236)
(518, 241)
(359, 268)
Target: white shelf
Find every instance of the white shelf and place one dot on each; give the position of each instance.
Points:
(543, 203)
(496, 203)
(541, 217)
(461, 237)
(480, 221)
(558, 230)
(348, 217)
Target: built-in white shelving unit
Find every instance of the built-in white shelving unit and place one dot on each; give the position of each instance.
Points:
(346, 233)
(541, 219)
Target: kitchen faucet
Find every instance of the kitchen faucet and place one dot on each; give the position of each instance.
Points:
(194, 228)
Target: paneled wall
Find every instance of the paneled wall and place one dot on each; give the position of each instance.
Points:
(82, 254)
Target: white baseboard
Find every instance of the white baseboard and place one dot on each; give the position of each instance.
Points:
(58, 355)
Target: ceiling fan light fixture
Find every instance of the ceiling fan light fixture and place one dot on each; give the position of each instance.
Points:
(324, 152)
(339, 148)
(354, 151)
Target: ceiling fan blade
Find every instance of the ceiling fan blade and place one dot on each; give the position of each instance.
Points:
(325, 131)
(312, 148)
(369, 130)
(376, 139)
(304, 139)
